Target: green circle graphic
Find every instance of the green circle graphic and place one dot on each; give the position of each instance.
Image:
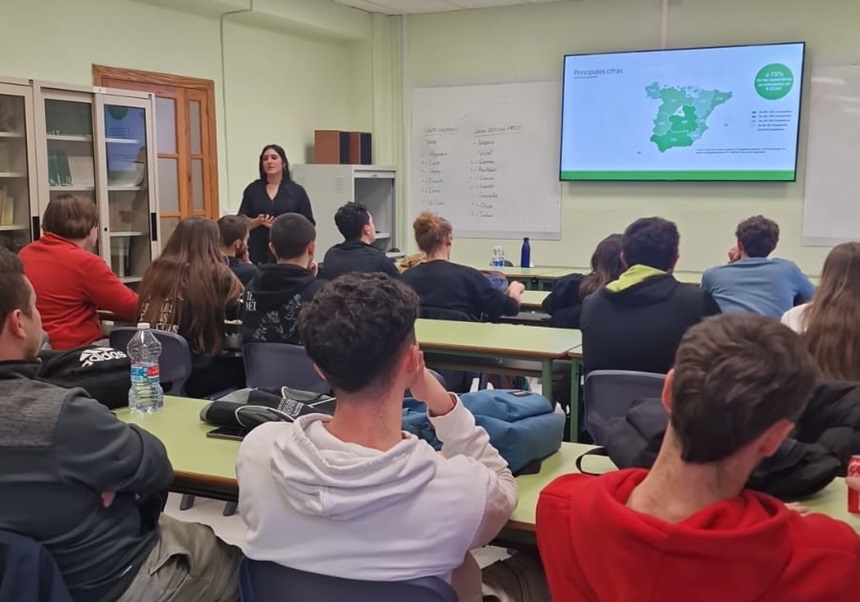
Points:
(774, 81)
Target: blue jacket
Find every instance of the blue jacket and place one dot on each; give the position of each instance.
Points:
(28, 573)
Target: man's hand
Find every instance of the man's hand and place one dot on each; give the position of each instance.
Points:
(107, 498)
(734, 254)
(258, 221)
(425, 387)
(515, 290)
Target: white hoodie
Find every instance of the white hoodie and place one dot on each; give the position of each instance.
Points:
(315, 503)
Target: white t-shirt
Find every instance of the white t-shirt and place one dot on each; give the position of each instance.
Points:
(793, 318)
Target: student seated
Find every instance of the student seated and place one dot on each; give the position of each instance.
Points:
(451, 291)
(89, 487)
(831, 323)
(564, 303)
(275, 296)
(352, 495)
(687, 529)
(190, 291)
(752, 283)
(356, 253)
(235, 231)
(71, 281)
(637, 321)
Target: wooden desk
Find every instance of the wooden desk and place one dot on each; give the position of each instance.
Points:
(532, 300)
(491, 342)
(538, 278)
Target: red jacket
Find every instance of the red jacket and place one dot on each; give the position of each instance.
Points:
(747, 549)
(71, 284)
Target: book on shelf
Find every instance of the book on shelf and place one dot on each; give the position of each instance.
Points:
(7, 209)
(65, 170)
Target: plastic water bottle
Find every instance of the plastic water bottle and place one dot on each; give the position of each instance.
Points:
(498, 260)
(526, 254)
(146, 394)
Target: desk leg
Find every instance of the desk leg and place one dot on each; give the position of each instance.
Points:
(575, 365)
(546, 379)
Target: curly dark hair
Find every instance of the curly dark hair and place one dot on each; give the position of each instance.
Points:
(351, 220)
(356, 328)
(758, 236)
(651, 241)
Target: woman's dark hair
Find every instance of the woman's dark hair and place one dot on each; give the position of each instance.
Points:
(281, 153)
(190, 286)
(606, 266)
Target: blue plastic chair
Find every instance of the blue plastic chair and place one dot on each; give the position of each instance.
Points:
(609, 393)
(28, 572)
(275, 365)
(269, 582)
(174, 363)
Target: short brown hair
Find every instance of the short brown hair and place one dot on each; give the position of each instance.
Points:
(758, 236)
(736, 375)
(233, 228)
(71, 216)
(356, 328)
(430, 231)
(291, 233)
(14, 292)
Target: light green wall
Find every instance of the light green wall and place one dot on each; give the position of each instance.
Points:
(526, 43)
(278, 87)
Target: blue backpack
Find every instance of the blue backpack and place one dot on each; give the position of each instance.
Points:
(522, 425)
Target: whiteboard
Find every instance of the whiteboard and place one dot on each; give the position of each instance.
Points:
(486, 158)
(831, 203)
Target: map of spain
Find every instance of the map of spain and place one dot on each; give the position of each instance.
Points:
(683, 114)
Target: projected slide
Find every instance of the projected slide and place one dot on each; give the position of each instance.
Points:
(696, 114)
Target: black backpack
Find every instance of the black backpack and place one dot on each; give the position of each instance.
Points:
(104, 372)
(796, 470)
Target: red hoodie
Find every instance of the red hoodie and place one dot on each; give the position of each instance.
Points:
(71, 284)
(747, 549)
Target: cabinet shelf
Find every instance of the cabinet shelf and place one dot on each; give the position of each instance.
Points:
(72, 188)
(119, 188)
(130, 279)
(12, 174)
(11, 135)
(121, 141)
(126, 234)
(68, 138)
(14, 228)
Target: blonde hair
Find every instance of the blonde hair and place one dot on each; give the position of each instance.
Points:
(832, 320)
(430, 231)
(410, 261)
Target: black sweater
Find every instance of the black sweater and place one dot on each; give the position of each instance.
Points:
(273, 300)
(639, 328)
(355, 256)
(564, 304)
(290, 198)
(458, 292)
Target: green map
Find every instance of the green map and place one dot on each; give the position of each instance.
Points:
(683, 114)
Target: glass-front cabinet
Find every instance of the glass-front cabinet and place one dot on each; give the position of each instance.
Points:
(98, 144)
(125, 175)
(17, 165)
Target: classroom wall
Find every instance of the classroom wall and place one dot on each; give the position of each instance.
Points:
(526, 43)
(280, 81)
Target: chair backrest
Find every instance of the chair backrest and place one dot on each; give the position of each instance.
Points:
(174, 363)
(28, 572)
(269, 582)
(609, 393)
(274, 365)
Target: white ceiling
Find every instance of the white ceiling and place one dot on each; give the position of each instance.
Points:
(402, 7)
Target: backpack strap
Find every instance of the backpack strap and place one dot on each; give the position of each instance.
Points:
(597, 451)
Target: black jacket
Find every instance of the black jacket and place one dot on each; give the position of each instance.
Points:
(355, 256)
(245, 272)
(290, 198)
(563, 304)
(59, 450)
(832, 419)
(273, 300)
(639, 328)
(451, 291)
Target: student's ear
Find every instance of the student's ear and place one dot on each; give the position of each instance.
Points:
(773, 437)
(272, 250)
(412, 359)
(666, 396)
(15, 324)
(312, 247)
